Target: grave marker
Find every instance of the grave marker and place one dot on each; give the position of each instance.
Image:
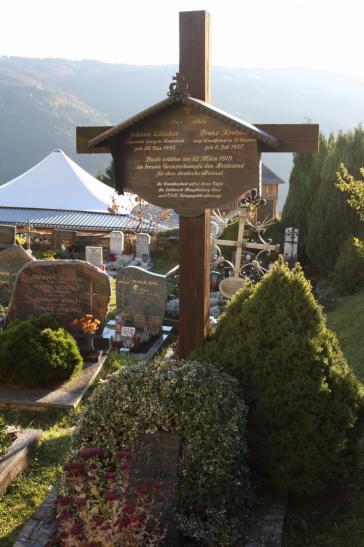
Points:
(142, 247)
(12, 260)
(141, 298)
(7, 236)
(94, 255)
(157, 459)
(66, 289)
(117, 243)
(173, 146)
(290, 246)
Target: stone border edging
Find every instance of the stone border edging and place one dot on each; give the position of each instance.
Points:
(266, 527)
(16, 459)
(41, 528)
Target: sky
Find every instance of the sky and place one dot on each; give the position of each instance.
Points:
(318, 34)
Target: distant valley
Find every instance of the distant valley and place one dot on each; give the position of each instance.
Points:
(43, 100)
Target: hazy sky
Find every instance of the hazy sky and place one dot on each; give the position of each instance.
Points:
(323, 34)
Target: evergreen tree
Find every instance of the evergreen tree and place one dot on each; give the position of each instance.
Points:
(314, 203)
(108, 176)
(302, 396)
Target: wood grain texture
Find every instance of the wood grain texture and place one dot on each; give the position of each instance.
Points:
(84, 134)
(194, 233)
(302, 138)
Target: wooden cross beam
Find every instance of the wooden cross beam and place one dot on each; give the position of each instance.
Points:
(210, 173)
(301, 137)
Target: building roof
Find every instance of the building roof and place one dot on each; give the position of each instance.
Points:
(57, 182)
(269, 177)
(72, 220)
(247, 127)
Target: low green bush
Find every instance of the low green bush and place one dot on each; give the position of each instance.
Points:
(36, 352)
(302, 396)
(4, 437)
(205, 408)
(348, 275)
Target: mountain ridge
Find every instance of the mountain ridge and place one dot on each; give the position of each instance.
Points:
(43, 100)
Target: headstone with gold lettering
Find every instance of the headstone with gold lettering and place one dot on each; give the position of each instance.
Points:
(66, 289)
(12, 260)
(141, 298)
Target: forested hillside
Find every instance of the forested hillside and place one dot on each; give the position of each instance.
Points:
(43, 100)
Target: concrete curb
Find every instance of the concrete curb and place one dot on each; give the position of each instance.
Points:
(16, 459)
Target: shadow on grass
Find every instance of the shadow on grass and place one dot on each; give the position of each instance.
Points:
(29, 491)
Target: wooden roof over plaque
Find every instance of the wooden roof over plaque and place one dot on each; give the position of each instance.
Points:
(184, 154)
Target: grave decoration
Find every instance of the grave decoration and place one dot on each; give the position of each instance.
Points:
(248, 255)
(198, 457)
(141, 298)
(65, 289)
(184, 154)
(12, 259)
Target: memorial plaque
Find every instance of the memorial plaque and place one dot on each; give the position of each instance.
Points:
(66, 289)
(117, 243)
(141, 297)
(94, 255)
(156, 459)
(7, 236)
(12, 260)
(186, 159)
(142, 247)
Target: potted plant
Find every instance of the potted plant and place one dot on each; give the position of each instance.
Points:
(88, 326)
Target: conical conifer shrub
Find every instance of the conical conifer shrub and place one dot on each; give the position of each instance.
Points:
(303, 397)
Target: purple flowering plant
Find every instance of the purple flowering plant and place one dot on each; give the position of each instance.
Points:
(100, 508)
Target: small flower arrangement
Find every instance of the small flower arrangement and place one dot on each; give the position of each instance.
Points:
(87, 324)
(99, 506)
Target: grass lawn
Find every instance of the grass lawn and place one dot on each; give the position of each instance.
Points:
(336, 519)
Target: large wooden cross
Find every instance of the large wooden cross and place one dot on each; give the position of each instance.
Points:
(194, 232)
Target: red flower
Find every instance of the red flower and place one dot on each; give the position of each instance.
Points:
(110, 495)
(76, 530)
(124, 454)
(110, 475)
(124, 521)
(63, 500)
(91, 452)
(81, 502)
(98, 520)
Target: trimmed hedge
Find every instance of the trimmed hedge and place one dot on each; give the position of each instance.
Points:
(303, 398)
(201, 405)
(36, 352)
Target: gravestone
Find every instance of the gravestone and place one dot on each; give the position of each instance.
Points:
(7, 236)
(290, 246)
(141, 297)
(156, 458)
(94, 255)
(142, 247)
(12, 260)
(117, 243)
(66, 289)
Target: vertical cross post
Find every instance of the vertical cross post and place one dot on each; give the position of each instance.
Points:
(194, 233)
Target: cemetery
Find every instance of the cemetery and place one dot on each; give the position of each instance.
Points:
(182, 386)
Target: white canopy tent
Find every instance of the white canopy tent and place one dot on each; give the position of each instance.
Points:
(57, 182)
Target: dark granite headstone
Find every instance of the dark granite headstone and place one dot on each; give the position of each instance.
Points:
(66, 289)
(141, 297)
(12, 260)
(7, 236)
(157, 459)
